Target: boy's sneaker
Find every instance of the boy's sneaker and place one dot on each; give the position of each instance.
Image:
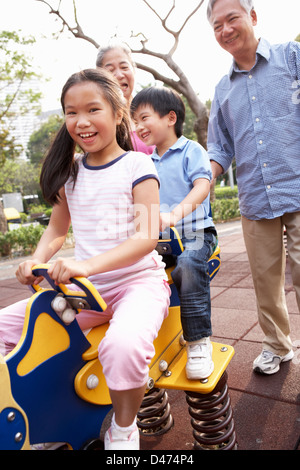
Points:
(269, 363)
(199, 359)
(115, 439)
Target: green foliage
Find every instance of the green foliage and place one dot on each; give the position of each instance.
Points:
(189, 122)
(21, 240)
(225, 192)
(36, 208)
(225, 209)
(23, 217)
(8, 147)
(226, 204)
(40, 141)
(15, 72)
(208, 104)
(48, 211)
(19, 176)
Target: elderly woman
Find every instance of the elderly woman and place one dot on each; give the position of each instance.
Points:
(118, 60)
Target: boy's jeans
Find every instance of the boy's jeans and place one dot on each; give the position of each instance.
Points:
(192, 281)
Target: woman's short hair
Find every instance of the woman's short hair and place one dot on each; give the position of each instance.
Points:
(103, 50)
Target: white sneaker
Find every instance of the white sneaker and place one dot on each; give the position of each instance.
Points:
(199, 359)
(115, 439)
(49, 446)
(269, 363)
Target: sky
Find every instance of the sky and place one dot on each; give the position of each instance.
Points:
(199, 55)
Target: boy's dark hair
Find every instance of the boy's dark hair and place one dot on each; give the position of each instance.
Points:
(162, 100)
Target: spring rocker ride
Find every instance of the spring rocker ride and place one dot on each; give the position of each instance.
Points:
(52, 388)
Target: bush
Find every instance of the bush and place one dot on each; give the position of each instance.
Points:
(22, 240)
(225, 209)
(48, 212)
(23, 217)
(225, 192)
(226, 204)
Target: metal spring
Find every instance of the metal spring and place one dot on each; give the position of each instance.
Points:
(154, 416)
(212, 418)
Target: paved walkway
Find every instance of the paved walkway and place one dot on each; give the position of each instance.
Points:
(266, 408)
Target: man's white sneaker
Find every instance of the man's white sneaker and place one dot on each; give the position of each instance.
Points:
(115, 439)
(269, 363)
(199, 359)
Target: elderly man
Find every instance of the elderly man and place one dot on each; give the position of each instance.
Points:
(255, 117)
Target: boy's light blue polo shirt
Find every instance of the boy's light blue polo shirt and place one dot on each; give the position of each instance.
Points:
(182, 164)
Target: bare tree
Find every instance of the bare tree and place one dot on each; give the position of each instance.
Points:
(182, 85)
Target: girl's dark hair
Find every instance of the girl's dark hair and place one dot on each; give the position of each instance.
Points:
(162, 100)
(59, 163)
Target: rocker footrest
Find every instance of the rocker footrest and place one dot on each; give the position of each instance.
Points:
(175, 377)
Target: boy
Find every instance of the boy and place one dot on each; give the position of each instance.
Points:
(185, 173)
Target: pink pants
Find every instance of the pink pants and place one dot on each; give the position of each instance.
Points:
(135, 312)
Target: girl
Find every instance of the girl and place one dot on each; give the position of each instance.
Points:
(118, 60)
(111, 196)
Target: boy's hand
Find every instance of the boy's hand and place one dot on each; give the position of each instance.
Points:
(167, 219)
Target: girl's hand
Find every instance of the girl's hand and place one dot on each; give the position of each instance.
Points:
(24, 272)
(62, 270)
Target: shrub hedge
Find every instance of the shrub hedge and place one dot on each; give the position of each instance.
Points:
(23, 240)
(226, 204)
(226, 192)
(225, 209)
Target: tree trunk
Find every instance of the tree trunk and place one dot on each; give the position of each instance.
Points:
(3, 221)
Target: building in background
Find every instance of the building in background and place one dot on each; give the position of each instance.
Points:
(23, 124)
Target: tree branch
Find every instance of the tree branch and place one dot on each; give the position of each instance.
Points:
(157, 76)
(12, 98)
(77, 30)
(163, 21)
(190, 15)
(182, 85)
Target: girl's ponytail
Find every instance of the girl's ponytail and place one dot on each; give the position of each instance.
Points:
(123, 133)
(58, 166)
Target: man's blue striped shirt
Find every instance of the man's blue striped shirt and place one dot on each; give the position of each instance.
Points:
(255, 117)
